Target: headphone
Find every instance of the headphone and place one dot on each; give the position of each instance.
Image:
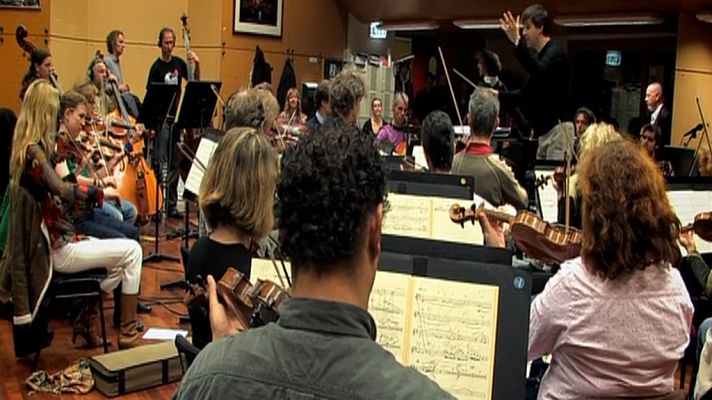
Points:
(163, 31)
(92, 64)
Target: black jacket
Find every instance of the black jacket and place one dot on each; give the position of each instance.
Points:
(544, 97)
(664, 122)
(261, 70)
(286, 82)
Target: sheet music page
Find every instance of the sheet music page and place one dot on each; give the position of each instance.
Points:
(688, 203)
(264, 269)
(408, 216)
(453, 334)
(445, 229)
(388, 306)
(548, 198)
(205, 151)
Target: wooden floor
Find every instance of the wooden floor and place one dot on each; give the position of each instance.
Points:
(14, 372)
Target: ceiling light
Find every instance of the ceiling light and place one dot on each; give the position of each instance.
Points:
(477, 23)
(704, 17)
(410, 26)
(611, 20)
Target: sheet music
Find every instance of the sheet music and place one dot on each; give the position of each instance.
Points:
(688, 203)
(419, 156)
(453, 335)
(408, 216)
(388, 307)
(264, 269)
(204, 154)
(548, 198)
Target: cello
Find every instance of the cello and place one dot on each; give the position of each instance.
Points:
(138, 185)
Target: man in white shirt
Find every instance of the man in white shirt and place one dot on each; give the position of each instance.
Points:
(660, 115)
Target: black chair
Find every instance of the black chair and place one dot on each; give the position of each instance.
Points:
(186, 352)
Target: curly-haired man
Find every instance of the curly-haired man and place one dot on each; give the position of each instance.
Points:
(322, 346)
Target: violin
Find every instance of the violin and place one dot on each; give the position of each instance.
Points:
(702, 226)
(250, 305)
(534, 236)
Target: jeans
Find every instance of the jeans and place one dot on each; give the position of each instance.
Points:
(102, 226)
(127, 213)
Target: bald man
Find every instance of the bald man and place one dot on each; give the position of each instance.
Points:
(660, 115)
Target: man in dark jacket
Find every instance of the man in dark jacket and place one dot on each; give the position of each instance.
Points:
(543, 98)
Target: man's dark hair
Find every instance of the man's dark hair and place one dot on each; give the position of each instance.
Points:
(322, 93)
(590, 116)
(536, 15)
(491, 62)
(111, 40)
(438, 135)
(655, 130)
(330, 183)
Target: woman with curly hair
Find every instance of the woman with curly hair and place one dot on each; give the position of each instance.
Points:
(616, 320)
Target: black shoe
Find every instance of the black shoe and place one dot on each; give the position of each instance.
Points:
(174, 213)
(143, 308)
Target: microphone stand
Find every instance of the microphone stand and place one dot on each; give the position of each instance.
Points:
(705, 135)
(155, 255)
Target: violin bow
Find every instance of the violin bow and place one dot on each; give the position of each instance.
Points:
(98, 146)
(449, 83)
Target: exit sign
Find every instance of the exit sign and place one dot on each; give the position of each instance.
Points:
(377, 32)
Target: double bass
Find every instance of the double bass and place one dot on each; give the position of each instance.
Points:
(21, 34)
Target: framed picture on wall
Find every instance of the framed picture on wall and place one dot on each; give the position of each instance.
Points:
(28, 4)
(332, 68)
(258, 17)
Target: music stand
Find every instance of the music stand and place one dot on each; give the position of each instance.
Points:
(682, 160)
(195, 111)
(155, 111)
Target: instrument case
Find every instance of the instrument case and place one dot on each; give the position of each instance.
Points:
(136, 369)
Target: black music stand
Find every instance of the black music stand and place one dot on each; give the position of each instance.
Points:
(155, 111)
(195, 111)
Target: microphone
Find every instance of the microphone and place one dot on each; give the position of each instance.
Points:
(693, 132)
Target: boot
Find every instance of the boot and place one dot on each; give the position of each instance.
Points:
(86, 327)
(128, 335)
(117, 312)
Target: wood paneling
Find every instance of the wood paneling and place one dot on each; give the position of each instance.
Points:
(312, 28)
(14, 65)
(693, 75)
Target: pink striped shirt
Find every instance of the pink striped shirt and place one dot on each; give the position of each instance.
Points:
(610, 338)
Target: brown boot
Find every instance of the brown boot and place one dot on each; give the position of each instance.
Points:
(129, 336)
(85, 326)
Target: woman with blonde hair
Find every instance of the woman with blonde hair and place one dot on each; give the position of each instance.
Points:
(292, 120)
(616, 320)
(595, 135)
(236, 199)
(32, 165)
